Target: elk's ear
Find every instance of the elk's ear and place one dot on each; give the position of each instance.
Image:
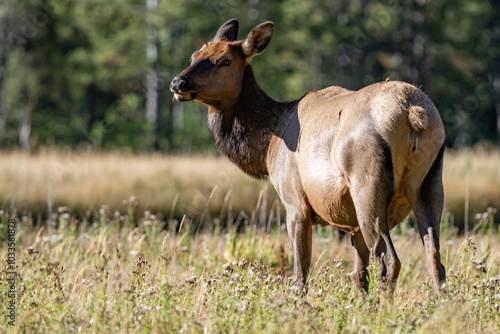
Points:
(228, 32)
(257, 39)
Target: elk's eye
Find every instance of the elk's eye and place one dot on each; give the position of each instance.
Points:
(225, 62)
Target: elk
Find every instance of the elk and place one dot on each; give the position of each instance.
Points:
(357, 160)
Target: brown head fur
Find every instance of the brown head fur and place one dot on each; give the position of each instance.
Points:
(241, 117)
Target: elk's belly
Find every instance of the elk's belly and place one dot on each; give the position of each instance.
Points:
(329, 197)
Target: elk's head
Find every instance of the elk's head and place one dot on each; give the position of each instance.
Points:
(215, 77)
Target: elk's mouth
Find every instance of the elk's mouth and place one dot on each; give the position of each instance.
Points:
(185, 96)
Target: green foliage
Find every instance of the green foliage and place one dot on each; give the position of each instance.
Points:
(75, 71)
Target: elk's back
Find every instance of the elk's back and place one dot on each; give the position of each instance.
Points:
(342, 134)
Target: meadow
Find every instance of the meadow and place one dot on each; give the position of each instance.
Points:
(122, 276)
(107, 256)
(202, 187)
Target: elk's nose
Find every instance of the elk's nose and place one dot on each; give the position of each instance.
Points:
(179, 84)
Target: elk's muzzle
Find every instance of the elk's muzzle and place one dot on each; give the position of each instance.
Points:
(181, 87)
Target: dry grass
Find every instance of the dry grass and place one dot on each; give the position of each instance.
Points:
(117, 275)
(123, 270)
(476, 172)
(85, 181)
(195, 185)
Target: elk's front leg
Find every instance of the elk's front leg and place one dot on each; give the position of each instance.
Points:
(300, 233)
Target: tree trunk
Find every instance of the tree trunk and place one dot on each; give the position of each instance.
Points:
(152, 77)
(25, 130)
(4, 16)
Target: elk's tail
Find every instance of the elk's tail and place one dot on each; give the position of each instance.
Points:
(418, 118)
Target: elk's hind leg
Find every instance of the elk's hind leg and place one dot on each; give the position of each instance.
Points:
(428, 208)
(371, 196)
(361, 262)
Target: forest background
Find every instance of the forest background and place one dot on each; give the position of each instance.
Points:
(97, 72)
(91, 76)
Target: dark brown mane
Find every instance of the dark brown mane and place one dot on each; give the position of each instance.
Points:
(244, 131)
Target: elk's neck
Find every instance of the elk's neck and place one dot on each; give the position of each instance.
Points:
(244, 131)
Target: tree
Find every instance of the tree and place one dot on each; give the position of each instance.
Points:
(79, 73)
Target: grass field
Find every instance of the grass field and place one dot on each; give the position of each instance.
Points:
(202, 187)
(115, 275)
(149, 244)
